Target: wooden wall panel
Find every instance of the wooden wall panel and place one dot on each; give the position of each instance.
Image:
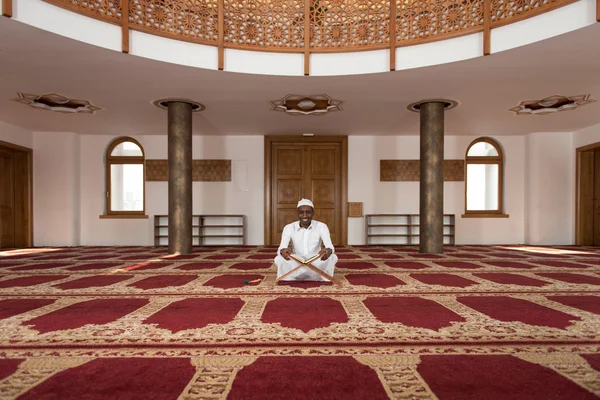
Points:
(586, 199)
(7, 198)
(289, 161)
(410, 170)
(289, 191)
(202, 170)
(21, 199)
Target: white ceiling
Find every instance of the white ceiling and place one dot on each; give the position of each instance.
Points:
(38, 62)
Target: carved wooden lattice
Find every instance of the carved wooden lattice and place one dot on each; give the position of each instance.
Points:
(105, 10)
(335, 25)
(349, 24)
(420, 20)
(194, 20)
(277, 24)
(410, 170)
(202, 170)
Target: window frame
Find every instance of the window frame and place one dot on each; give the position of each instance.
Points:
(489, 160)
(111, 160)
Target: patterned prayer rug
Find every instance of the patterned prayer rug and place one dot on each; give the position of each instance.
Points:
(477, 322)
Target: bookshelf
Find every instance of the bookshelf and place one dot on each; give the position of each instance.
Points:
(401, 229)
(207, 230)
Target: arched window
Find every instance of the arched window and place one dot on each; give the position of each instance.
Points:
(484, 179)
(125, 178)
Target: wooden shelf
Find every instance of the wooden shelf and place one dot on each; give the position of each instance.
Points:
(389, 225)
(221, 226)
(223, 236)
(401, 229)
(390, 234)
(207, 230)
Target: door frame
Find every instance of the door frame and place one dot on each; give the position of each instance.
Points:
(29, 152)
(578, 217)
(289, 139)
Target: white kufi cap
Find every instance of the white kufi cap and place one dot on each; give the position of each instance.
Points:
(305, 202)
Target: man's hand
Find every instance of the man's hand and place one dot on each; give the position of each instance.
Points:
(285, 253)
(325, 254)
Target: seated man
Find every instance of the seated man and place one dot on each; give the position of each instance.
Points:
(306, 236)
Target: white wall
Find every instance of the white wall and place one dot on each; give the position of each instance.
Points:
(15, 135)
(566, 19)
(56, 189)
(549, 188)
(365, 152)
(67, 23)
(96, 231)
(587, 136)
(243, 195)
(69, 186)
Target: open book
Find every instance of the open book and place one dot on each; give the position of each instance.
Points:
(302, 260)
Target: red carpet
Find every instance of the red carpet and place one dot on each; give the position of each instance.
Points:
(495, 378)
(477, 322)
(118, 378)
(422, 313)
(307, 377)
(307, 314)
(195, 313)
(96, 312)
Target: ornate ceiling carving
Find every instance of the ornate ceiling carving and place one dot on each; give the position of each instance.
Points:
(57, 103)
(319, 104)
(552, 104)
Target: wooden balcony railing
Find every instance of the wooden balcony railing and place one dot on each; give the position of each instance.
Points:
(332, 25)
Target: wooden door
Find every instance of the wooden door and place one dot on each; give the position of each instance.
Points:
(7, 198)
(289, 164)
(323, 186)
(596, 198)
(312, 168)
(15, 196)
(22, 199)
(586, 198)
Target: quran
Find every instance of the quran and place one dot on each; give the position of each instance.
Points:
(306, 263)
(302, 260)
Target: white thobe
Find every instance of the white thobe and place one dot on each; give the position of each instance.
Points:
(307, 243)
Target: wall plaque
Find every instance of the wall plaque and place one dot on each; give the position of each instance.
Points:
(355, 209)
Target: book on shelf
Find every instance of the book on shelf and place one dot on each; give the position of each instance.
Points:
(303, 260)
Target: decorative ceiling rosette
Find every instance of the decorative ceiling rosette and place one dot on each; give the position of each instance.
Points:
(57, 103)
(319, 104)
(551, 105)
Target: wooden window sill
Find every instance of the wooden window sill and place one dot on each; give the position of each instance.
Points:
(123, 216)
(482, 215)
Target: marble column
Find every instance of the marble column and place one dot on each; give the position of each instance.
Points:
(431, 200)
(180, 177)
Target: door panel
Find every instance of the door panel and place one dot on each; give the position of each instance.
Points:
(324, 187)
(289, 191)
(284, 217)
(21, 204)
(7, 198)
(289, 161)
(596, 198)
(322, 160)
(586, 198)
(328, 217)
(287, 187)
(323, 191)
